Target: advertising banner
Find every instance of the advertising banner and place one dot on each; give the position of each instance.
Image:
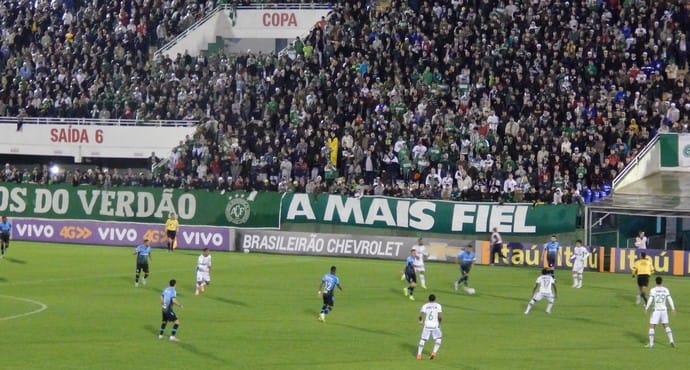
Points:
(139, 204)
(117, 233)
(664, 261)
(362, 246)
(526, 254)
(428, 215)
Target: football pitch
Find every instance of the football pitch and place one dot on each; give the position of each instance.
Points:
(76, 307)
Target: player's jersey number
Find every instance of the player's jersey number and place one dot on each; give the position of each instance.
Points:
(328, 286)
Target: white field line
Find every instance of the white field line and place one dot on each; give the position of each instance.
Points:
(41, 307)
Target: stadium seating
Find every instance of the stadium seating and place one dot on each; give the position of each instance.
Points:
(539, 101)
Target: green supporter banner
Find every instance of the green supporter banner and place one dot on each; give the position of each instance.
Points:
(669, 150)
(139, 204)
(428, 215)
(675, 150)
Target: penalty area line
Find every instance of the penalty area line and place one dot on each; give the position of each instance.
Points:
(41, 307)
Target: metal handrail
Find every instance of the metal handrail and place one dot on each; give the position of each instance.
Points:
(169, 45)
(95, 122)
(635, 161)
(285, 49)
(294, 6)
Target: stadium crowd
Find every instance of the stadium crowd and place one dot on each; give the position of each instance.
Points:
(465, 99)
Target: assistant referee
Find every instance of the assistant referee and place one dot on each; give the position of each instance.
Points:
(642, 269)
(171, 227)
(5, 235)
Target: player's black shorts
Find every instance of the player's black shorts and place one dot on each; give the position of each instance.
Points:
(5, 237)
(169, 315)
(411, 277)
(642, 280)
(465, 268)
(143, 267)
(551, 259)
(171, 234)
(328, 299)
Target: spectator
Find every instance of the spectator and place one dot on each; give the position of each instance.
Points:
(531, 98)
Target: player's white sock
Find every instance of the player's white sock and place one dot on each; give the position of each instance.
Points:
(420, 347)
(529, 307)
(574, 280)
(651, 337)
(579, 280)
(549, 307)
(669, 334)
(423, 279)
(437, 345)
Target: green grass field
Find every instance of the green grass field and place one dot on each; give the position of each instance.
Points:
(260, 313)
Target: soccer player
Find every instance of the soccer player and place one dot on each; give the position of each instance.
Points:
(496, 245)
(466, 259)
(327, 292)
(410, 275)
(551, 250)
(430, 320)
(5, 235)
(203, 271)
(642, 269)
(143, 253)
(544, 288)
(171, 227)
(419, 262)
(168, 300)
(580, 254)
(660, 295)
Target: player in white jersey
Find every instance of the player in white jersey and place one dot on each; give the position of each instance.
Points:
(580, 254)
(544, 288)
(203, 271)
(660, 296)
(419, 262)
(430, 320)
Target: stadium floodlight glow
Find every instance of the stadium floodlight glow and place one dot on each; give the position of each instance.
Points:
(54, 169)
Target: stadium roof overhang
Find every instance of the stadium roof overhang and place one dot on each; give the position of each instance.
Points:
(653, 205)
(662, 194)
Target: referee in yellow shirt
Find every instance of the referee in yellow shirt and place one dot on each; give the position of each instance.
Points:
(171, 226)
(642, 269)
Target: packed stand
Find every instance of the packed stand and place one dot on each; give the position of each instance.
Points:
(447, 102)
(93, 59)
(90, 59)
(540, 101)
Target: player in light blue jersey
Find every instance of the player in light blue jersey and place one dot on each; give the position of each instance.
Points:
(327, 291)
(410, 274)
(168, 300)
(5, 235)
(466, 259)
(143, 253)
(551, 250)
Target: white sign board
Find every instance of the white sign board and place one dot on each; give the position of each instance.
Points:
(91, 140)
(275, 23)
